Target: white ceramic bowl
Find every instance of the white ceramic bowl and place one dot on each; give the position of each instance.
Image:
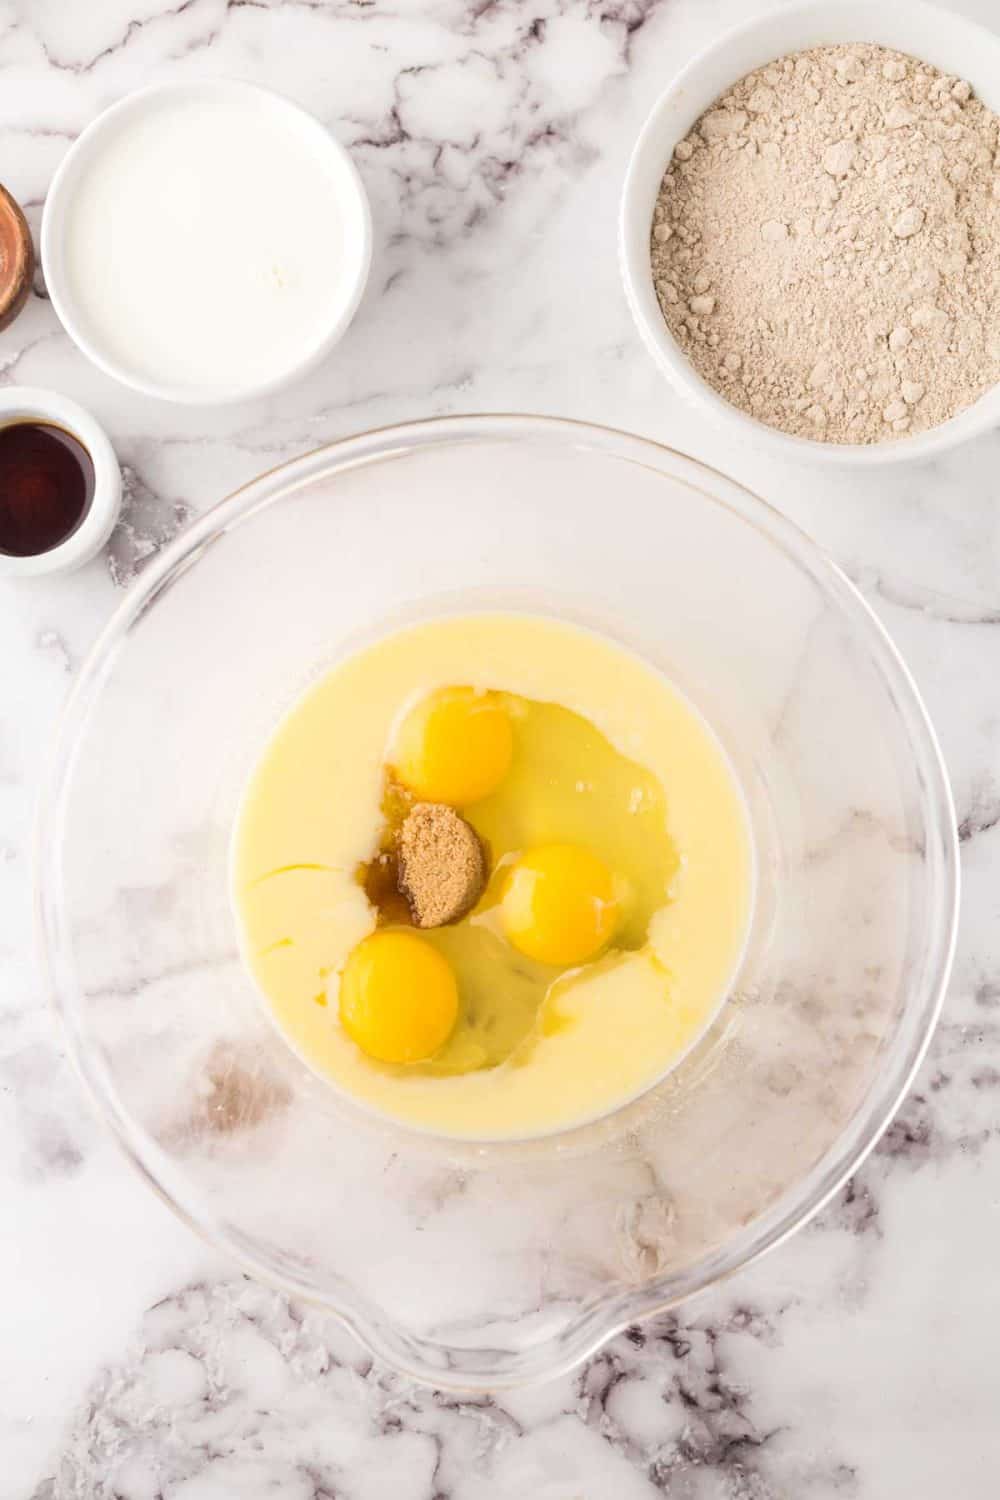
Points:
(28, 404)
(942, 38)
(331, 322)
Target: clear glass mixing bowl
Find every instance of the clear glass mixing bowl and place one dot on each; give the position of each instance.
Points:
(480, 1265)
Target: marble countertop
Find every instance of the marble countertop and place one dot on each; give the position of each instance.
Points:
(858, 1360)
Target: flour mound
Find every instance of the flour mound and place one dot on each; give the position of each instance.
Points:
(826, 245)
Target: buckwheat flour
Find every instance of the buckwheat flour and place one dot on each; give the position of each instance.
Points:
(826, 245)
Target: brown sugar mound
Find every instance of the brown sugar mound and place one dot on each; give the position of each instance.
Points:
(442, 870)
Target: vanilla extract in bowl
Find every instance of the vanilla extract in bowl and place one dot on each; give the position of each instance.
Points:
(46, 487)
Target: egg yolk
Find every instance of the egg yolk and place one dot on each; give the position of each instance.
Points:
(559, 905)
(398, 997)
(455, 747)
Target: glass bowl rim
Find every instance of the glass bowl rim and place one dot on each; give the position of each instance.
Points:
(604, 1316)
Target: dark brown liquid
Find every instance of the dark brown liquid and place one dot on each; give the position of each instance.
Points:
(379, 877)
(46, 486)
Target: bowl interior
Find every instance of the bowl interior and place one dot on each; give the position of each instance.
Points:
(486, 1264)
(942, 38)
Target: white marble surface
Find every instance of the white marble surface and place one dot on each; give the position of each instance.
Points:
(858, 1361)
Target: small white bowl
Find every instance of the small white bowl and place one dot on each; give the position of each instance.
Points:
(331, 322)
(942, 38)
(27, 404)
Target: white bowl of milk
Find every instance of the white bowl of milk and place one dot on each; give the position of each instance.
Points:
(206, 242)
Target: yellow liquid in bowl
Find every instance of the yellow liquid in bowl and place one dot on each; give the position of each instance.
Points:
(607, 759)
(566, 786)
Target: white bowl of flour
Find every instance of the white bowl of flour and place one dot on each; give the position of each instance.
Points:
(206, 241)
(822, 274)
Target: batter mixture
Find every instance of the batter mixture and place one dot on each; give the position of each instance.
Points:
(493, 876)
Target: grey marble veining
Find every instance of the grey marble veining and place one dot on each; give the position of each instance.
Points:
(856, 1361)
